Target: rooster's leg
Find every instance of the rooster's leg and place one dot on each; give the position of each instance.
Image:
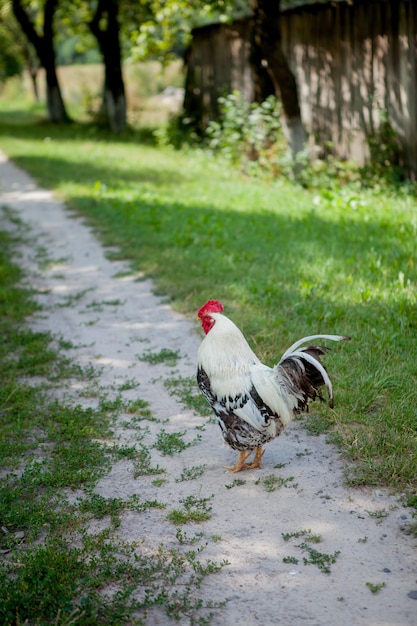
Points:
(257, 459)
(240, 463)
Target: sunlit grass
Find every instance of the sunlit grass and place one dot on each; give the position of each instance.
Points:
(286, 263)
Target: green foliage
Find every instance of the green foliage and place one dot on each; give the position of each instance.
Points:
(14, 51)
(173, 443)
(194, 510)
(237, 482)
(272, 482)
(302, 533)
(11, 62)
(328, 173)
(380, 514)
(166, 355)
(47, 580)
(320, 559)
(77, 49)
(186, 390)
(142, 465)
(191, 473)
(385, 154)
(165, 29)
(170, 443)
(290, 559)
(59, 583)
(375, 587)
(249, 135)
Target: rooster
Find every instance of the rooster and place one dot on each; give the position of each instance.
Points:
(252, 402)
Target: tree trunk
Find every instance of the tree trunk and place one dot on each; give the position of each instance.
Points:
(262, 83)
(44, 46)
(33, 72)
(267, 44)
(114, 98)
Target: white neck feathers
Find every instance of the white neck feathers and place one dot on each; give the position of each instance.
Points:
(224, 349)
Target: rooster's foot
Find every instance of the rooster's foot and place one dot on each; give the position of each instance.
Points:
(242, 456)
(257, 459)
(240, 463)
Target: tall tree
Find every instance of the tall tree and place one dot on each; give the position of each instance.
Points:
(268, 51)
(44, 45)
(105, 27)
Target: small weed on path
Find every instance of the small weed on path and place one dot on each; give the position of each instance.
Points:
(171, 443)
(191, 473)
(237, 482)
(194, 510)
(186, 390)
(375, 587)
(319, 559)
(142, 463)
(166, 356)
(272, 482)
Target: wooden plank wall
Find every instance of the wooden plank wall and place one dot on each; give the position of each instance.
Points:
(217, 64)
(351, 61)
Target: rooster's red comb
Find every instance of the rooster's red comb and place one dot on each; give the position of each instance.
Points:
(211, 306)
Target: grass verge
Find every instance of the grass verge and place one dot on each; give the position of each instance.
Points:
(55, 568)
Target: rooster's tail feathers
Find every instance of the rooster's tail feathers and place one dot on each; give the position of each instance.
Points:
(300, 342)
(304, 367)
(314, 374)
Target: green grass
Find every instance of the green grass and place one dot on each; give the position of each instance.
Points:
(142, 465)
(285, 262)
(54, 570)
(173, 443)
(191, 473)
(186, 390)
(194, 510)
(166, 355)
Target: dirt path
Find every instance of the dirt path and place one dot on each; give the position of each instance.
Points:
(112, 318)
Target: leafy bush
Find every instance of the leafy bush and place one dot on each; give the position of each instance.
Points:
(11, 63)
(384, 155)
(328, 173)
(250, 135)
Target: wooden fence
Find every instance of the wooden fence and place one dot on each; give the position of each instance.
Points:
(352, 62)
(217, 64)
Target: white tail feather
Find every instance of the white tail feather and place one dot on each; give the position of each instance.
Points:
(298, 343)
(307, 357)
